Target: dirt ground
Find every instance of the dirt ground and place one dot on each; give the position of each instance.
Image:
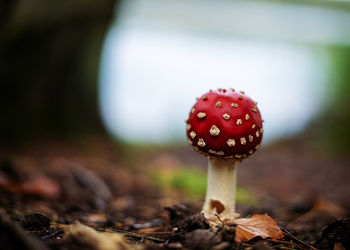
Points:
(54, 196)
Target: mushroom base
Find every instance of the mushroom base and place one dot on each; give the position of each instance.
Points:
(220, 198)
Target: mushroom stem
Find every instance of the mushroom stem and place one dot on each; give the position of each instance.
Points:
(221, 190)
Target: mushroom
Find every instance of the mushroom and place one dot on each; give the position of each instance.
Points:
(225, 126)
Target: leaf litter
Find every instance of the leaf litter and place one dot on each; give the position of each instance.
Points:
(259, 225)
(109, 199)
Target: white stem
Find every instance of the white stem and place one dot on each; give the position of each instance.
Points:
(221, 190)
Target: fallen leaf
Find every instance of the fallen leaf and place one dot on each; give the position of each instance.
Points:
(37, 185)
(328, 207)
(41, 186)
(259, 225)
(338, 246)
(85, 237)
(322, 213)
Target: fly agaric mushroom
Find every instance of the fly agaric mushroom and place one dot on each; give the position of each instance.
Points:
(225, 126)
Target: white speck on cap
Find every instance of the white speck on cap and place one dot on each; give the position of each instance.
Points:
(214, 130)
(201, 143)
(251, 138)
(231, 142)
(193, 134)
(201, 115)
(226, 116)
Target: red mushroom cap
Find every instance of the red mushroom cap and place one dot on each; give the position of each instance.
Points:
(225, 124)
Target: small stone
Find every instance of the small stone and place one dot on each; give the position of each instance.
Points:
(239, 122)
(226, 116)
(201, 115)
(243, 141)
(201, 143)
(214, 130)
(193, 134)
(201, 239)
(231, 142)
(174, 245)
(221, 246)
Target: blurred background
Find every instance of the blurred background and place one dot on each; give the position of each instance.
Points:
(95, 94)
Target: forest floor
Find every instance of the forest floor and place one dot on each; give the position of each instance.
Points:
(87, 196)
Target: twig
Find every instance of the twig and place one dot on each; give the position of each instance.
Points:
(133, 235)
(297, 240)
(52, 235)
(292, 244)
(223, 223)
(147, 230)
(150, 233)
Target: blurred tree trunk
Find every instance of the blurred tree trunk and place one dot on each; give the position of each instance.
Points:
(49, 59)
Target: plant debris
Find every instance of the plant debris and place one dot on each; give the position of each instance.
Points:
(91, 201)
(84, 237)
(337, 234)
(257, 226)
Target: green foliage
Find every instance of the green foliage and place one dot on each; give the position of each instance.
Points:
(244, 197)
(335, 121)
(192, 183)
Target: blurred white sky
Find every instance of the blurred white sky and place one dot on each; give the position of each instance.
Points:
(154, 65)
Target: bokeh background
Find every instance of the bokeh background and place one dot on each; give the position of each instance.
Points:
(102, 89)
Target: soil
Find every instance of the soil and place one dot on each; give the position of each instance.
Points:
(53, 195)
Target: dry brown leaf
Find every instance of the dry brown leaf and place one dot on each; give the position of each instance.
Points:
(88, 238)
(260, 225)
(39, 185)
(338, 246)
